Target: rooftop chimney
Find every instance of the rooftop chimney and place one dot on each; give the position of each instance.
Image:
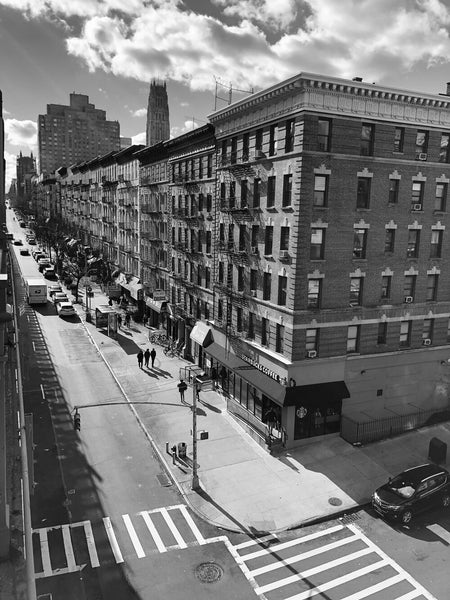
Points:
(357, 79)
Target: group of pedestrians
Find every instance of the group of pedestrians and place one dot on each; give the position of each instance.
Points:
(144, 357)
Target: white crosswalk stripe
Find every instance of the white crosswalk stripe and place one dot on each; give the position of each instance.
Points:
(335, 562)
(117, 539)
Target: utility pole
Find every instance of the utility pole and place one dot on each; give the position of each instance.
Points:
(195, 482)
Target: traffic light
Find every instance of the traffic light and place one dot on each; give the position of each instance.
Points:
(77, 421)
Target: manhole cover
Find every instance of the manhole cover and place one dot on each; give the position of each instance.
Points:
(335, 501)
(208, 572)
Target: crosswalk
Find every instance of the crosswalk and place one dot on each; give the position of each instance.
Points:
(336, 563)
(72, 547)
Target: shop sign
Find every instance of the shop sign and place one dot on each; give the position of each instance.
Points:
(159, 295)
(301, 412)
(261, 368)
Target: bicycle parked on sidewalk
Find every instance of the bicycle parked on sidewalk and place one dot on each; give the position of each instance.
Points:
(158, 338)
(170, 349)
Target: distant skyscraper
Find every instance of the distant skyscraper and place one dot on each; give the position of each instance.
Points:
(158, 125)
(125, 142)
(75, 133)
(25, 167)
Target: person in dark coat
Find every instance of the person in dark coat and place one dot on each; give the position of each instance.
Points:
(147, 357)
(140, 358)
(110, 302)
(119, 321)
(182, 387)
(153, 355)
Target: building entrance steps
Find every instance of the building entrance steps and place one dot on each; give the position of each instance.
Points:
(242, 486)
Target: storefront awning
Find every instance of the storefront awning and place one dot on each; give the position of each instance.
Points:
(132, 284)
(157, 305)
(316, 395)
(202, 334)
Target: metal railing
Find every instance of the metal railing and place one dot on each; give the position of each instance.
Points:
(370, 431)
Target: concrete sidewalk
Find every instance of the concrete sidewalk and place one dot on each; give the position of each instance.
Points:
(242, 486)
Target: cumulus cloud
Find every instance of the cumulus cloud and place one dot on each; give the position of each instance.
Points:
(10, 172)
(21, 133)
(187, 126)
(139, 138)
(140, 112)
(263, 41)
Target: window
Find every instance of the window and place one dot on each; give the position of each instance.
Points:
(233, 153)
(245, 146)
(356, 286)
(209, 166)
(312, 339)
(443, 152)
(209, 202)
(268, 240)
(359, 243)
(239, 318)
(207, 279)
(405, 334)
(271, 191)
(436, 243)
(432, 287)
(240, 278)
(242, 237)
(284, 238)
(230, 275)
(220, 273)
(382, 333)
(244, 193)
(421, 144)
(289, 138)
(258, 139)
(232, 194)
(200, 167)
(363, 192)
(427, 329)
(287, 190)
(389, 240)
(219, 309)
(279, 343)
(352, 339)
(440, 198)
(272, 140)
(399, 139)
(222, 232)
(251, 326)
(367, 133)
(320, 190)
(267, 285)
(314, 293)
(264, 332)
(413, 243)
(253, 280)
(386, 283)
(417, 195)
(255, 236)
(409, 286)
(317, 247)
(282, 290)
(256, 192)
(324, 135)
(208, 241)
(394, 186)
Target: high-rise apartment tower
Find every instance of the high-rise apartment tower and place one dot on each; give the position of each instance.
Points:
(158, 126)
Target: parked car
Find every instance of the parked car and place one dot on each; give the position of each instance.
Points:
(39, 255)
(65, 309)
(32, 241)
(24, 252)
(59, 297)
(43, 264)
(18, 243)
(49, 273)
(36, 251)
(413, 491)
(53, 289)
(22, 223)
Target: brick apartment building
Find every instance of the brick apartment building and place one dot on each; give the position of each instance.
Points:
(296, 246)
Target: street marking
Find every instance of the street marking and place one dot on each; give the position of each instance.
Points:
(373, 589)
(112, 540)
(410, 595)
(294, 542)
(153, 532)
(440, 532)
(133, 536)
(324, 587)
(257, 541)
(68, 548)
(91, 544)
(173, 529)
(195, 530)
(45, 552)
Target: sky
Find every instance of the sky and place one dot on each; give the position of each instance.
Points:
(111, 49)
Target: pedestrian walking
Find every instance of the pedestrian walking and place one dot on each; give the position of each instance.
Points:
(140, 358)
(153, 355)
(119, 320)
(127, 319)
(147, 357)
(182, 387)
(110, 302)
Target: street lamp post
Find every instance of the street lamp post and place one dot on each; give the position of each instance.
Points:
(195, 481)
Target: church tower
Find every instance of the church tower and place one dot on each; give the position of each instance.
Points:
(158, 127)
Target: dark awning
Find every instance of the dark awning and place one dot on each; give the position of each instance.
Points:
(316, 395)
(201, 333)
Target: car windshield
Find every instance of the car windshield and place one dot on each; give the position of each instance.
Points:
(402, 486)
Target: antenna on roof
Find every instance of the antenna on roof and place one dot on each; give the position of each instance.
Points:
(230, 92)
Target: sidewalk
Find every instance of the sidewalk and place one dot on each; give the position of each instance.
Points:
(242, 486)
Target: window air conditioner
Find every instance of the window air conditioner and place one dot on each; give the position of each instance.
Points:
(423, 156)
(284, 254)
(259, 153)
(408, 299)
(427, 342)
(253, 293)
(312, 353)
(254, 249)
(417, 207)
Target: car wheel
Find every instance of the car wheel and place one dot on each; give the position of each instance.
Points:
(446, 500)
(406, 517)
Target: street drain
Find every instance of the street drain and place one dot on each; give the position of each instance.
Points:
(208, 572)
(334, 501)
(164, 480)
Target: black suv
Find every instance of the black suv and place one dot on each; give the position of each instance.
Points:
(415, 490)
